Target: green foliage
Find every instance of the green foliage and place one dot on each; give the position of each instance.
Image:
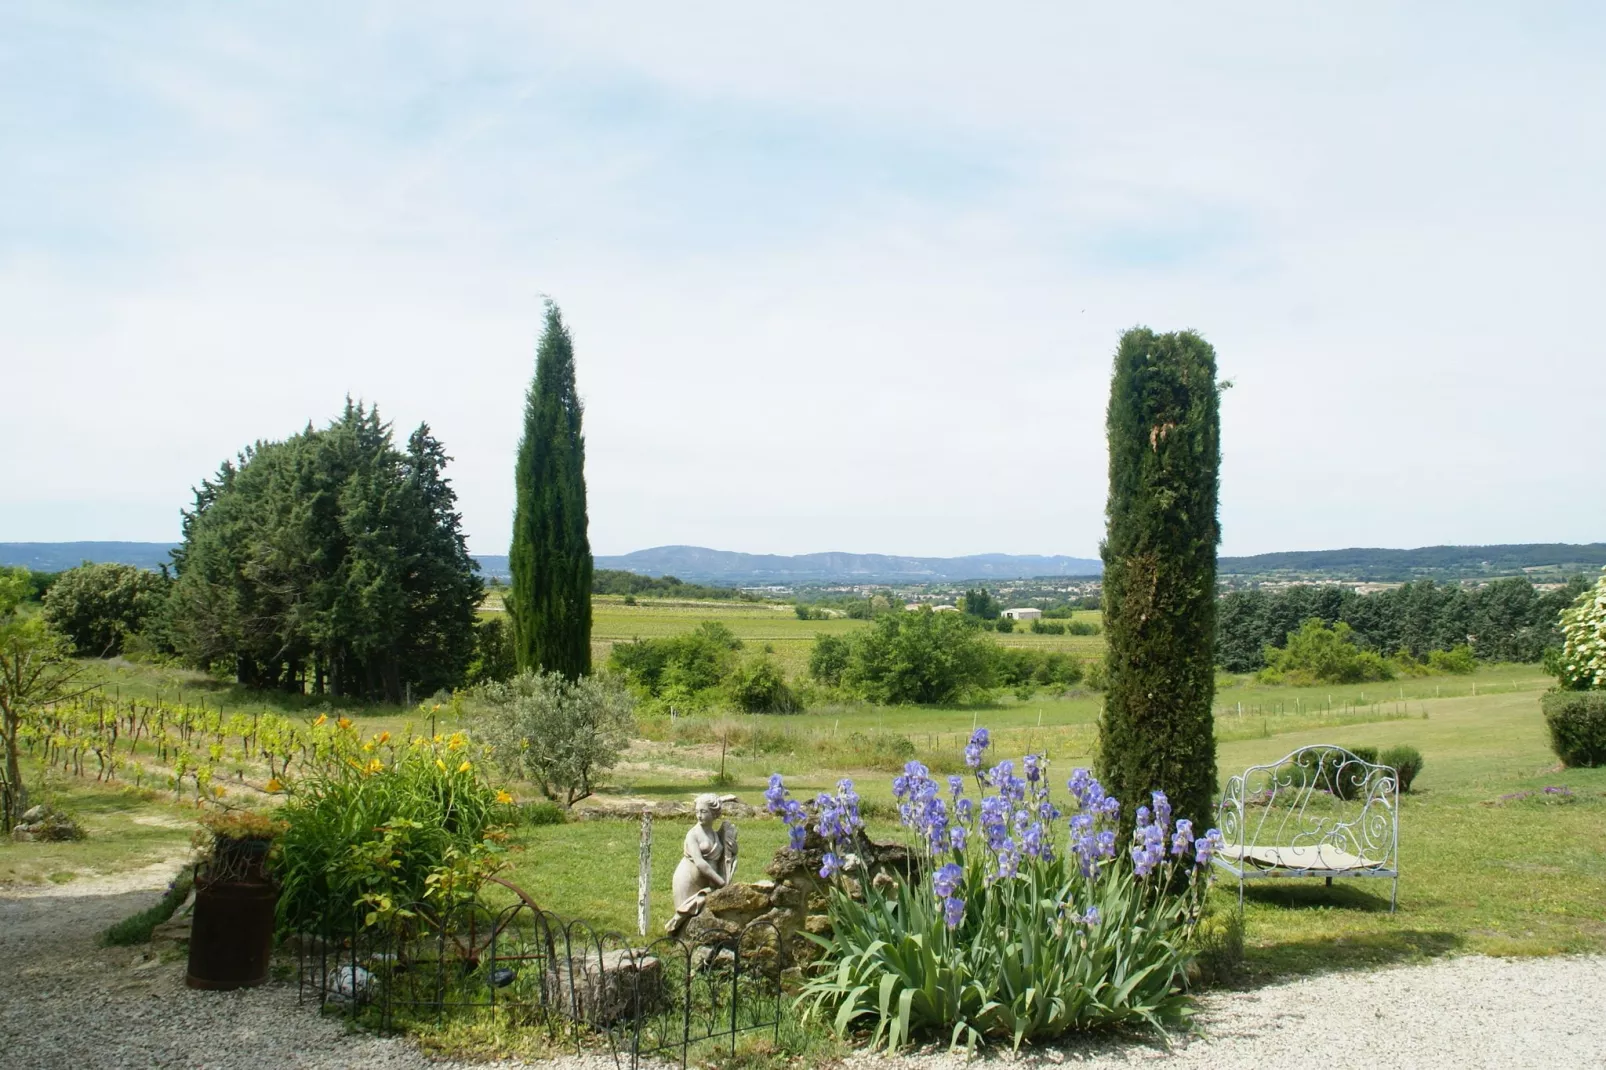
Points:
(630, 584)
(543, 812)
(550, 557)
(137, 928)
(1164, 431)
(1406, 761)
(828, 659)
(1583, 624)
(980, 604)
(1458, 660)
(1004, 624)
(561, 735)
(1510, 619)
(361, 843)
(757, 685)
(35, 669)
(494, 656)
(1577, 723)
(98, 606)
(919, 657)
(1317, 653)
(330, 562)
(1040, 626)
(684, 669)
(1016, 667)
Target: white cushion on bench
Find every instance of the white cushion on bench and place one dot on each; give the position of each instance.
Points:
(1319, 857)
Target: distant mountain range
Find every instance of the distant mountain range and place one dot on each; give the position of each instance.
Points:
(727, 566)
(702, 565)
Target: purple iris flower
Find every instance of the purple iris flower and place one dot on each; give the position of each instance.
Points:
(953, 912)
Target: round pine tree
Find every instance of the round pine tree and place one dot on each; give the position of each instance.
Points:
(549, 602)
(1159, 552)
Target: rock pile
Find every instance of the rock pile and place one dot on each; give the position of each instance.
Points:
(46, 824)
(774, 918)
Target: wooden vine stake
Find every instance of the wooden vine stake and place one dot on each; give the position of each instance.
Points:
(644, 876)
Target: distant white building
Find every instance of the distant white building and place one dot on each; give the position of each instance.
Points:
(1023, 614)
(945, 609)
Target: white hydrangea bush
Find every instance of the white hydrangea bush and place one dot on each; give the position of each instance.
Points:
(1583, 627)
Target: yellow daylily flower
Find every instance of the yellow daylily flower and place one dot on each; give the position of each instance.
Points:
(465, 767)
(504, 798)
(457, 742)
(344, 722)
(375, 765)
(382, 738)
(274, 784)
(440, 764)
(323, 718)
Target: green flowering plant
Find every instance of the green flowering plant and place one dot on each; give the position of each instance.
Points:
(1582, 666)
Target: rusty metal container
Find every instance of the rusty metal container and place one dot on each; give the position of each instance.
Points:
(231, 934)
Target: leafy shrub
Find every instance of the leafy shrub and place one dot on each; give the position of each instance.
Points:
(919, 657)
(137, 929)
(1321, 654)
(1328, 768)
(1007, 937)
(1577, 723)
(1406, 763)
(99, 606)
(543, 812)
(1016, 666)
(1081, 627)
(562, 735)
(1583, 627)
(758, 685)
(1047, 627)
(828, 658)
(1457, 660)
(680, 665)
(494, 657)
(363, 841)
(1004, 624)
(1097, 676)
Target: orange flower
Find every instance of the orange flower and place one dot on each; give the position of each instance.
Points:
(382, 738)
(274, 785)
(323, 718)
(344, 722)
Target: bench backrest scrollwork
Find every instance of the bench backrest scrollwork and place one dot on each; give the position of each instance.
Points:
(1317, 796)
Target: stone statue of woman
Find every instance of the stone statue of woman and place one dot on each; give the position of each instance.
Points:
(707, 863)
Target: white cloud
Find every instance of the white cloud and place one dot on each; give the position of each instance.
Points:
(848, 281)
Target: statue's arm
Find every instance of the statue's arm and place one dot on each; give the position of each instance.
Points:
(694, 852)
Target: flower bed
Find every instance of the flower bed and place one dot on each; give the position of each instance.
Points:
(1032, 923)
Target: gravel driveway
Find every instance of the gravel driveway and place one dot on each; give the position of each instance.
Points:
(66, 1003)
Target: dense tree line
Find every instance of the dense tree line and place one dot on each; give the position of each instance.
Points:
(331, 562)
(1508, 620)
(618, 581)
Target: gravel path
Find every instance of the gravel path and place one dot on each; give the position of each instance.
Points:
(66, 1003)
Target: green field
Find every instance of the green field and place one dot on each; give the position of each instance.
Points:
(1485, 867)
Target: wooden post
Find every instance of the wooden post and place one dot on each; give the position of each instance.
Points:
(644, 876)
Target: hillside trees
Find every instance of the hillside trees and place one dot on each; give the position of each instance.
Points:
(331, 562)
(550, 557)
(98, 606)
(1160, 571)
(34, 669)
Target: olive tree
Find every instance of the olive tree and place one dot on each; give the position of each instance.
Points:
(560, 734)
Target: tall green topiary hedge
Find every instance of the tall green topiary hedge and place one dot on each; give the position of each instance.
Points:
(1164, 429)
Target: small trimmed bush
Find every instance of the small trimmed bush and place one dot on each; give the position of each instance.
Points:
(1343, 784)
(1577, 723)
(1406, 763)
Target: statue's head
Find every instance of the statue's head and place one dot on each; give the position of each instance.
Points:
(708, 807)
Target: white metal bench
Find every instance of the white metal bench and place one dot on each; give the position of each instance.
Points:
(1318, 812)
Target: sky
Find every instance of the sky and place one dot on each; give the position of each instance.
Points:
(839, 276)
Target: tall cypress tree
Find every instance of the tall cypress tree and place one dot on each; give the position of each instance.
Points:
(1159, 551)
(549, 602)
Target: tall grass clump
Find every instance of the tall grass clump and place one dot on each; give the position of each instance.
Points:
(364, 840)
(1022, 926)
(137, 928)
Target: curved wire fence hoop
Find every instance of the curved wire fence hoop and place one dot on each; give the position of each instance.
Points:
(582, 986)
